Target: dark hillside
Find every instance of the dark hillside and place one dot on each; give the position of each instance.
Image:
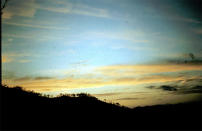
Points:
(29, 110)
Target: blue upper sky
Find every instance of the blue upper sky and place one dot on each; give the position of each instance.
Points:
(52, 38)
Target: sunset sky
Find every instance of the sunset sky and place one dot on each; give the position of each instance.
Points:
(134, 52)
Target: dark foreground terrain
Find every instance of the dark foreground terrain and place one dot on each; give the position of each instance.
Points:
(30, 111)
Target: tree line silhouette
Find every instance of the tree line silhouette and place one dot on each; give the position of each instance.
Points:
(24, 110)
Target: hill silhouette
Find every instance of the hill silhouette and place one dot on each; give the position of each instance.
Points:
(23, 110)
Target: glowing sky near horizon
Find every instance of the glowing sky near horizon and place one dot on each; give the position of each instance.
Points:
(134, 52)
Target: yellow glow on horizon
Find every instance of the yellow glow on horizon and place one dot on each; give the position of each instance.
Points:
(119, 76)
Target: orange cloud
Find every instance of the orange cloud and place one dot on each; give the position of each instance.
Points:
(6, 59)
(120, 75)
(14, 57)
(71, 83)
(133, 70)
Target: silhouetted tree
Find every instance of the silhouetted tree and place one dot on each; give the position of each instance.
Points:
(3, 5)
(192, 56)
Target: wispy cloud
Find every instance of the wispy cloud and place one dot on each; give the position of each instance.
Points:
(35, 26)
(117, 75)
(26, 78)
(72, 83)
(197, 31)
(36, 36)
(128, 38)
(134, 70)
(128, 35)
(8, 75)
(66, 9)
(29, 9)
(82, 9)
(183, 19)
(17, 54)
(17, 57)
(10, 40)
(78, 8)
(24, 61)
(17, 36)
(6, 59)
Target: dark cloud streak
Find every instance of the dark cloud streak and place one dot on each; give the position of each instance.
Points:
(130, 98)
(164, 87)
(194, 89)
(27, 78)
(43, 78)
(168, 88)
(107, 94)
(179, 89)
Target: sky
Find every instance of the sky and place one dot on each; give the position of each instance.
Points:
(134, 52)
